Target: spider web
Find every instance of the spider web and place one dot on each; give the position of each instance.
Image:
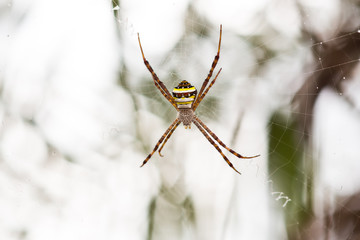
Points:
(287, 91)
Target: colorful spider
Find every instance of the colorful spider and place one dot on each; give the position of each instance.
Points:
(185, 100)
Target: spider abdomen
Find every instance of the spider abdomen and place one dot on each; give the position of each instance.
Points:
(184, 94)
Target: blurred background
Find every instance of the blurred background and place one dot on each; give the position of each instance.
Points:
(79, 113)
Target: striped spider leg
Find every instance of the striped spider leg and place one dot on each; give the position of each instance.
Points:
(160, 141)
(159, 84)
(213, 65)
(185, 100)
(214, 144)
(168, 136)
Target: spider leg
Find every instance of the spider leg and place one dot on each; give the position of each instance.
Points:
(200, 98)
(168, 136)
(160, 141)
(216, 59)
(159, 84)
(215, 145)
(220, 142)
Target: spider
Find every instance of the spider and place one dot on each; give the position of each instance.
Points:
(185, 100)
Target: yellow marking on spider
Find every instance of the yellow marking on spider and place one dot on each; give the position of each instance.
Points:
(183, 103)
(184, 89)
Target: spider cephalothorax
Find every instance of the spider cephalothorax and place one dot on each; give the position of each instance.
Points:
(185, 100)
